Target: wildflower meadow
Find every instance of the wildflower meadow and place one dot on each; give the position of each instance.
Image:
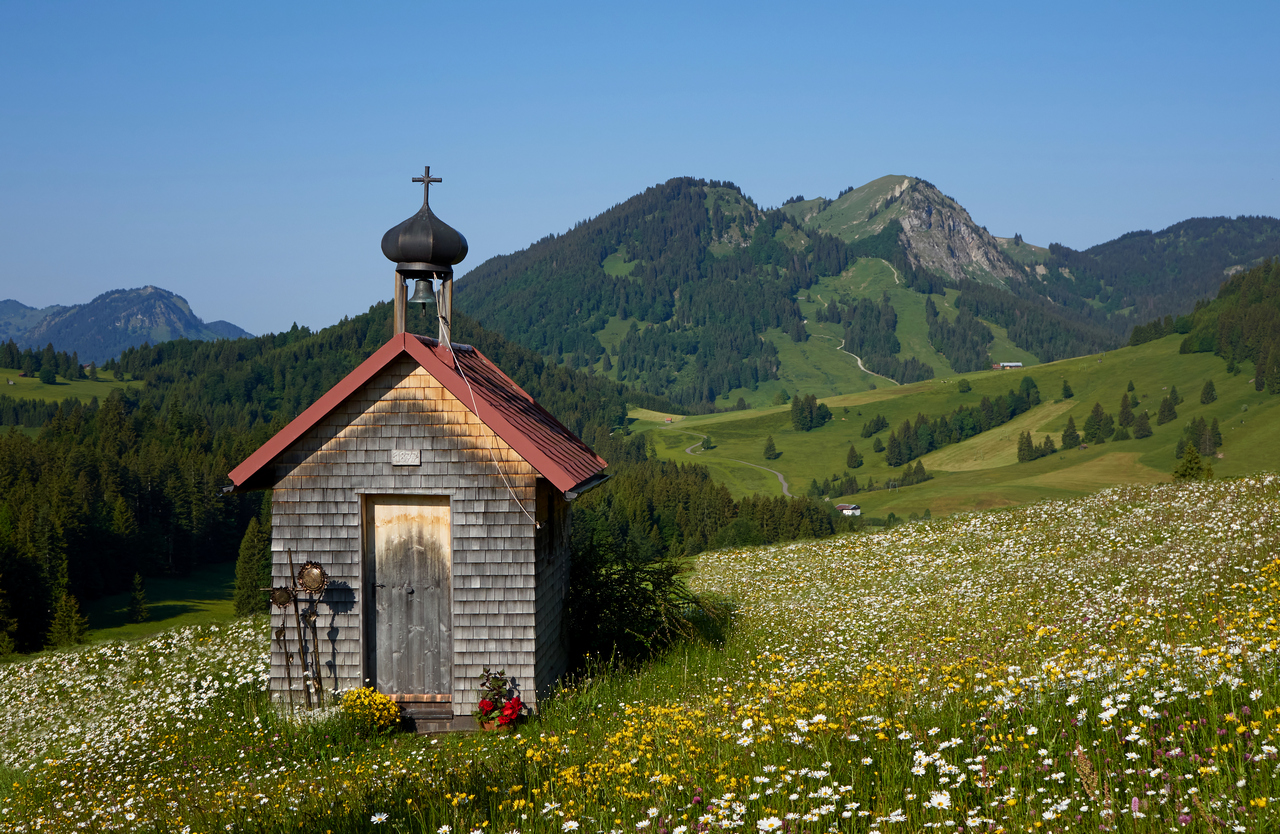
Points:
(1101, 664)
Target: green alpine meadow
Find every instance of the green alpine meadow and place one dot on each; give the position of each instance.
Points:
(1096, 663)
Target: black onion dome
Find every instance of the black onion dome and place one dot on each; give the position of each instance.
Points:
(424, 243)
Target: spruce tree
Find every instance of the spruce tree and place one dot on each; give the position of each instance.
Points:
(253, 571)
(770, 450)
(1122, 433)
(1095, 425)
(1190, 468)
(1047, 448)
(1175, 397)
(139, 611)
(69, 625)
(893, 454)
(1142, 426)
(1130, 388)
(8, 627)
(1166, 414)
(1217, 434)
(853, 460)
(877, 446)
(1070, 437)
(799, 414)
(1026, 447)
(1125, 418)
(1067, 393)
(1207, 393)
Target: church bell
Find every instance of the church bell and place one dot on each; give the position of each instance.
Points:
(422, 293)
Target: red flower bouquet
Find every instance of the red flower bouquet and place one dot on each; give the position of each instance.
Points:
(499, 705)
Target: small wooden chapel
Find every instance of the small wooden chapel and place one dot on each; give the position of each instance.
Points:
(433, 491)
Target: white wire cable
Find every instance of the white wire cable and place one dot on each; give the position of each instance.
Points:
(475, 410)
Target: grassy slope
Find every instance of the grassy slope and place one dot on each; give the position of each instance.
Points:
(1250, 441)
(1024, 254)
(862, 673)
(202, 598)
(847, 217)
(34, 389)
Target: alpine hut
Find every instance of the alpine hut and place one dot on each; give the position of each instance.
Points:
(430, 494)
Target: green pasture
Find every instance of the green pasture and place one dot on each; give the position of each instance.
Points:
(982, 471)
(846, 218)
(1024, 254)
(617, 264)
(203, 597)
(30, 388)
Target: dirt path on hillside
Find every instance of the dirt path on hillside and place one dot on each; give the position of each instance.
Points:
(862, 366)
(689, 451)
(895, 272)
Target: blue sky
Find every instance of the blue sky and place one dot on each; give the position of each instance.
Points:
(250, 156)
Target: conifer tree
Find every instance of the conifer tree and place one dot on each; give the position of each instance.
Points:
(1174, 396)
(1217, 434)
(877, 446)
(1130, 388)
(1122, 433)
(1190, 468)
(1070, 437)
(1166, 414)
(893, 454)
(1142, 426)
(799, 414)
(1207, 393)
(69, 625)
(770, 450)
(1067, 393)
(139, 611)
(1125, 418)
(1047, 447)
(8, 626)
(1095, 425)
(1026, 447)
(253, 570)
(853, 460)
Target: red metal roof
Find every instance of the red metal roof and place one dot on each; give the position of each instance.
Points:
(550, 448)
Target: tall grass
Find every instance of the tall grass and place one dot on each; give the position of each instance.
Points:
(1106, 663)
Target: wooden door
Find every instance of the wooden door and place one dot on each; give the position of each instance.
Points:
(408, 568)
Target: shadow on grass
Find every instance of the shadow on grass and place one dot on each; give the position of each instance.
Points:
(204, 596)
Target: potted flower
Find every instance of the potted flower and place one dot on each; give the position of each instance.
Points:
(499, 705)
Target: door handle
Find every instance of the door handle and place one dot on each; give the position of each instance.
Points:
(379, 585)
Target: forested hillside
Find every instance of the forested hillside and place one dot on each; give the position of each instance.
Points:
(674, 290)
(694, 271)
(1241, 325)
(1142, 275)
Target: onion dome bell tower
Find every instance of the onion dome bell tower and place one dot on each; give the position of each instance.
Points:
(425, 248)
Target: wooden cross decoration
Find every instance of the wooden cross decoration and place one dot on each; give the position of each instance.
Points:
(426, 179)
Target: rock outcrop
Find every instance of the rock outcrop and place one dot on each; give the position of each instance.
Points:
(940, 237)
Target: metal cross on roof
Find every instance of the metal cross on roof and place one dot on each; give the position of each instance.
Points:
(426, 179)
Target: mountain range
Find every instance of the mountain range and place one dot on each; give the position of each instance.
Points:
(116, 320)
(693, 292)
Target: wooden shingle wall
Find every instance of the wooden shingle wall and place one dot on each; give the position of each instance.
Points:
(497, 581)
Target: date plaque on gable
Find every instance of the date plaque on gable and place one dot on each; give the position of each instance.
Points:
(406, 457)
